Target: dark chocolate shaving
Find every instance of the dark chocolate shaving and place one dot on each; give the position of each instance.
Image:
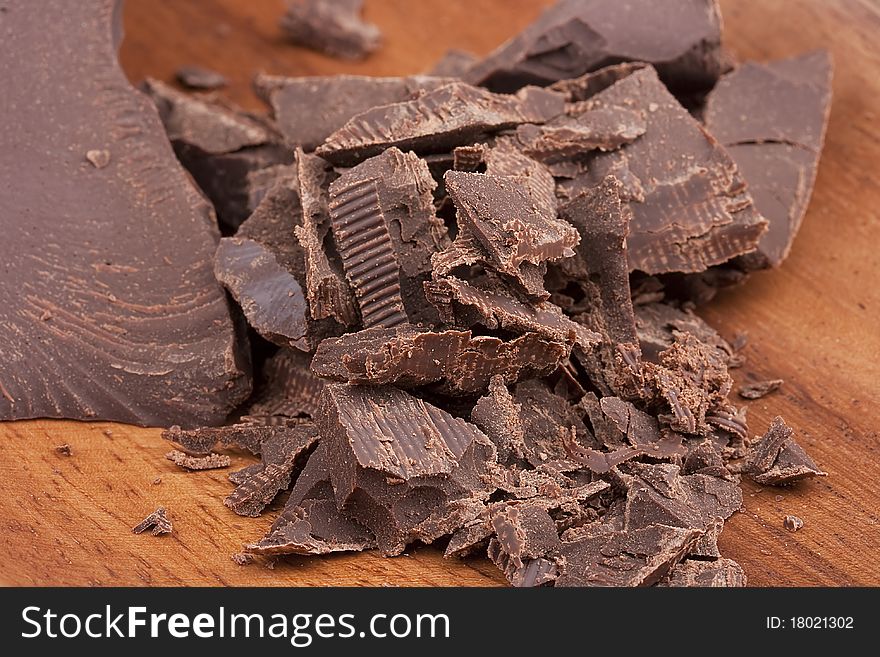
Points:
(157, 522)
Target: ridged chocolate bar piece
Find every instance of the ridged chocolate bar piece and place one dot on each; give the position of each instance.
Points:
(453, 115)
(109, 307)
(772, 119)
(455, 361)
(682, 39)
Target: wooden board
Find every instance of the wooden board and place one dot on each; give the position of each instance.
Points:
(815, 323)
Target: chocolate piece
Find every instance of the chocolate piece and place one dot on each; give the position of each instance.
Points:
(203, 441)
(208, 462)
(546, 421)
(500, 418)
(641, 557)
(196, 77)
(310, 522)
(776, 459)
(720, 573)
(382, 216)
(333, 27)
(98, 158)
(524, 535)
(264, 269)
(772, 120)
(243, 558)
(469, 158)
(453, 115)
(340, 98)
(157, 522)
(404, 468)
(327, 290)
(280, 455)
(792, 523)
(690, 206)
(286, 389)
(453, 64)
(642, 430)
(658, 323)
(758, 389)
(108, 304)
(222, 146)
(468, 305)
(459, 363)
(64, 450)
(682, 39)
(587, 85)
(469, 539)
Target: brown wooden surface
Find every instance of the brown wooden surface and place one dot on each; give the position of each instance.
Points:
(815, 322)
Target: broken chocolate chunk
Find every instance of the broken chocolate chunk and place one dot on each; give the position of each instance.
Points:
(196, 77)
(280, 455)
(456, 361)
(453, 115)
(499, 416)
(63, 450)
(524, 535)
(758, 389)
(193, 463)
(286, 389)
(692, 572)
(383, 221)
(157, 522)
(682, 39)
(776, 459)
(453, 64)
(792, 523)
(333, 27)
(203, 441)
(658, 323)
(772, 119)
(109, 307)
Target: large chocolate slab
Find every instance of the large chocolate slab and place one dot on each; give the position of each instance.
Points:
(453, 115)
(689, 202)
(772, 119)
(108, 305)
(682, 39)
(456, 361)
(340, 97)
(383, 221)
(333, 27)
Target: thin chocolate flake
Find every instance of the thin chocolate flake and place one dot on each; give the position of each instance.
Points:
(198, 77)
(772, 120)
(682, 39)
(157, 522)
(657, 324)
(140, 332)
(582, 88)
(792, 523)
(328, 291)
(776, 459)
(382, 216)
(758, 389)
(721, 573)
(193, 463)
(455, 361)
(280, 456)
(332, 27)
(453, 115)
(499, 416)
(64, 450)
(201, 442)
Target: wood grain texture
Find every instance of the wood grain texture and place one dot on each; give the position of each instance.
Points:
(814, 322)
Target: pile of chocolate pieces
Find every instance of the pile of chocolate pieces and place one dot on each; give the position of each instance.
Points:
(468, 296)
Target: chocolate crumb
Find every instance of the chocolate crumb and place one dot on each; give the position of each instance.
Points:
(243, 558)
(156, 481)
(98, 158)
(157, 522)
(792, 523)
(64, 450)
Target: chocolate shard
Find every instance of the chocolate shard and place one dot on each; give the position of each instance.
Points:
(641, 429)
(264, 269)
(758, 389)
(327, 290)
(470, 538)
(108, 307)
(340, 97)
(772, 120)
(792, 523)
(457, 362)
(682, 39)
(208, 462)
(689, 202)
(197, 77)
(280, 456)
(310, 522)
(776, 459)
(224, 148)
(203, 441)
(332, 27)
(286, 389)
(525, 535)
(499, 416)
(452, 115)
(453, 64)
(589, 84)
(547, 421)
(383, 221)
(720, 573)
(658, 323)
(601, 556)
(157, 522)
(405, 469)
(464, 304)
